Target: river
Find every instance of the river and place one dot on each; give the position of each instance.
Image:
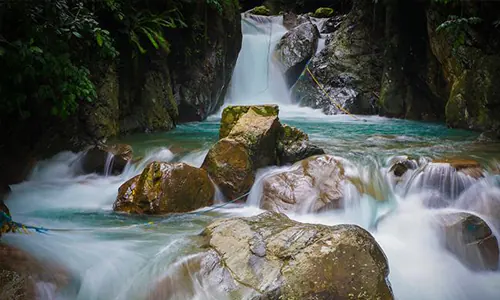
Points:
(118, 257)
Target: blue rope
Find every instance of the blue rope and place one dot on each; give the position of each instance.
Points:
(5, 218)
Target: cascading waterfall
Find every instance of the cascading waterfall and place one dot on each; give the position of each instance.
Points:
(117, 258)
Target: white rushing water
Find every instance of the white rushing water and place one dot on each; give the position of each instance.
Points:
(119, 258)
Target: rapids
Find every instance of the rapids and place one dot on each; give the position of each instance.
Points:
(117, 257)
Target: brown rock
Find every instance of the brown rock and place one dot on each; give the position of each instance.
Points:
(95, 159)
(165, 188)
(230, 166)
(471, 240)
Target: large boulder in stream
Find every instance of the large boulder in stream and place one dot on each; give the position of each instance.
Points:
(312, 185)
(166, 188)
(270, 256)
(471, 240)
(106, 160)
(251, 137)
(295, 49)
(249, 145)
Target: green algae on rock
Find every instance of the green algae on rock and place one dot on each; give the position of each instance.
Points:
(293, 145)
(261, 11)
(270, 256)
(230, 166)
(165, 188)
(232, 114)
(323, 12)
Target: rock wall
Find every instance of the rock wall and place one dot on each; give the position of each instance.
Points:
(389, 58)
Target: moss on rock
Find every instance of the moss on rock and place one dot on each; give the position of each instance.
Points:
(232, 114)
(261, 11)
(165, 188)
(323, 12)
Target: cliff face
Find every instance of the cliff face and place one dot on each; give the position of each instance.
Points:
(389, 57)
(138, 92)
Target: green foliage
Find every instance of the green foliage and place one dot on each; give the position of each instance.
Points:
(43, 46)
(261, 10)
(457, 26)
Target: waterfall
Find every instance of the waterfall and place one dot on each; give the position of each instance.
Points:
(256, 79)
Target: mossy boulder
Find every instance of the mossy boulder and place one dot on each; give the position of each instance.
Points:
(231, 115)
(230, 166)
(249, 141)
(165, 188)
(323, 12)
(270, 256)
(259, 134)
(312, 185)
(261, 11)
(471, 240)
(106, 159)
(294, 145)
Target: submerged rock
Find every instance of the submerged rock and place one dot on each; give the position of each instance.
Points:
(20, 273)
(249, 144)
(165, 188)
(295, 49)
(270, 256)
(471, 240)
(400, 165)
(293, 146)
(314, 184)
(101, 159)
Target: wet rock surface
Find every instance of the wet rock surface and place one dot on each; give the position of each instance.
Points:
(102, 158)
(272, 257)
(165, 188)
(314, 184)
(295, 49)
(471, 240)
(294, 145)
(20, 273)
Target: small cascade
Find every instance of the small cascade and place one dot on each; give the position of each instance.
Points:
(108, 165)
(440, 181)
(320, 22)
(483, 198)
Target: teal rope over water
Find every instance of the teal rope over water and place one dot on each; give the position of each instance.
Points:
(6, 219)
(13, 226)
(218, 206)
